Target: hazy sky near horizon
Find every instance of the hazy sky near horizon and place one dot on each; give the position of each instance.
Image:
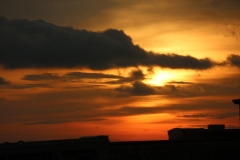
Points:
(128, 69)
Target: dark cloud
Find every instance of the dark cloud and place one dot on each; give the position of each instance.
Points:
(138, 74)
(90, 75)
(227, 115)
(129, 111)
(234, 60)
(68, 76)
(200, 115)
(58, 121)
(47, 122)
(179, 82)
(137, 88)
(25, 86)
(40, 77)
(4, 81)
(135, 75)
(44, 45)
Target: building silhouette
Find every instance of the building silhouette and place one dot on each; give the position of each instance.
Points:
(215, 142)
(214, 132)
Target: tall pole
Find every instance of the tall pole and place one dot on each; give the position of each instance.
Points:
(237, 101)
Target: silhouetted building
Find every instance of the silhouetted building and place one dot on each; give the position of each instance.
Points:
(85, 148)
(214, 132)
(216, 142)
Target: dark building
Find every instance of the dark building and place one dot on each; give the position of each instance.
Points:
(85, 148)
(214, 132)
(216, 142)
(171, 150)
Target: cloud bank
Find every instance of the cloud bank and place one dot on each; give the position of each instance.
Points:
(38, 44)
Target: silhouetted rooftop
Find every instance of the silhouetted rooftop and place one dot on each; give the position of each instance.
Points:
(236, 101)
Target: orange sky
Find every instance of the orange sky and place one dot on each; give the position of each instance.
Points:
(128, 69)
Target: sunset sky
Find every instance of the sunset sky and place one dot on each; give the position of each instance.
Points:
(130, 69)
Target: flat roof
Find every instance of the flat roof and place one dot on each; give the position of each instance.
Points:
(236, 101)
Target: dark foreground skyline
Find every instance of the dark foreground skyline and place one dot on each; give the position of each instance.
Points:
(216, 142)
(128, 69)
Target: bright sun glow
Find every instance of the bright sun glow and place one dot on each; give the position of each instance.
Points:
(160, 79)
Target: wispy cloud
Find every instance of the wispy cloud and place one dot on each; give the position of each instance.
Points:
(137, 88)
(179, 82)
(199, 115)
(4, 81)
(70, 76)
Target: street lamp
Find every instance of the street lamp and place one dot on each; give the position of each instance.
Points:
(237, 101)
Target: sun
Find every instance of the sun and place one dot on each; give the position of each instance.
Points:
(160, 78)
